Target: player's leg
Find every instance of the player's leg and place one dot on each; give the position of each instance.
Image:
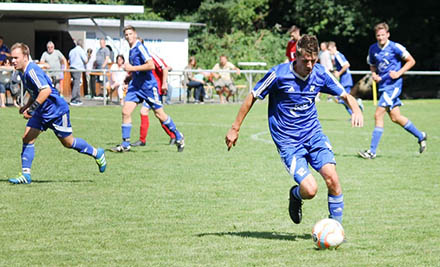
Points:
(145, 125)
(335, 196)
(322, 159)
(169, 123)
(306, 188)
(27, 155)
(376, 135)
(398, 118)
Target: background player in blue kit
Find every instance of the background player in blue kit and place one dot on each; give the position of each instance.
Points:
(143, 86)
(342, 72)
(385, 58)
(45, 109)
(294, 125)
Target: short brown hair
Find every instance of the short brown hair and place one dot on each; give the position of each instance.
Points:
(381, 26)
(129, 27)
(24, 48)
(307, 44)
(293, 29)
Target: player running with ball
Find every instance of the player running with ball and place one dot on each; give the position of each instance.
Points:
(294, 125)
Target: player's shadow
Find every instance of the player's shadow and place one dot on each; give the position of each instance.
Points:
(55, 181)
(350, 155)
(263, 235)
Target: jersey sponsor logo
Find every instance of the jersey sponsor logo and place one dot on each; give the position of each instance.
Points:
(301, 172)
(303, 106)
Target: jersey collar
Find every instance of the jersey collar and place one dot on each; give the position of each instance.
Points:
(292, 69)
(385, 45)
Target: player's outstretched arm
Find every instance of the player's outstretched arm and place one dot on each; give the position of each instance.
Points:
(357, 119)
(232, 135)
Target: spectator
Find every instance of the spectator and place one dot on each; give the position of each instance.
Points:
(342, 72)
(89, 66)
(118, 78)
(4, 51)
(194, 81)
(53, 59)
(78, 61)
(325, 58)
(223, 82)
(101, 61)
(294, 33)
(9, 80)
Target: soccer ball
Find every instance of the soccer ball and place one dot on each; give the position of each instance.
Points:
(328, 233)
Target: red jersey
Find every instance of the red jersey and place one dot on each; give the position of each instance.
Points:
(159, 65)
(290, 50)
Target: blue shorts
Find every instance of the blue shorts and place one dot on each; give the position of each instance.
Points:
(150, 96)
(389, 95)
(61, 125)
(317, 152)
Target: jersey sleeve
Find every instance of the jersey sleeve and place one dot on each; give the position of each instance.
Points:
(265, 85)
(37, 79)
(145, 55)
(331, 85)
(401, 51)
(371, 60)
(341, 59)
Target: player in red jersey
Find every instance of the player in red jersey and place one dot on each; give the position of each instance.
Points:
(294, 32)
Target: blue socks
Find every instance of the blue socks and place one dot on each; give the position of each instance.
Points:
(411, 128)
(336, 207)
(27, 156)
(126, 132)
(377, 134)
(172, 127)
(296, 193)
(83, 147)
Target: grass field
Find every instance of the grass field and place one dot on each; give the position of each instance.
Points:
(209, 207)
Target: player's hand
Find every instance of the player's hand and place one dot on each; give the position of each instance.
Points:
(26, 115)
(376, 77)
(22, 109)
(394, 74)
(357, 119)
(231, 138)
(128, 67)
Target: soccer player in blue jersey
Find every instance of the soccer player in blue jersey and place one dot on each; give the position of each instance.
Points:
(294, 125)
(142, 87)
(45, 109)
(342, 72)
(385, 58)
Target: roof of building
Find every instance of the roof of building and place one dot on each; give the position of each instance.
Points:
(134, 23)
(30, 11)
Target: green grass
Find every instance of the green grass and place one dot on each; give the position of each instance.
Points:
(210, 207)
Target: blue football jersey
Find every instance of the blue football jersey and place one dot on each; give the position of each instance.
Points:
(292, 114)
(386, 59)
(34, 79)
(140, 79)
(340, 61)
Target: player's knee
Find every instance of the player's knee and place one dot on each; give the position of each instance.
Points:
(332, 182)
(309, 192)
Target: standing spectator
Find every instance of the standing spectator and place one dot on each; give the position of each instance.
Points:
(325, 58)
(89, 66)
(4, 51)
(101, 61)
(385, 58)
(342, 73)
(9, 80)
(78, 61)
(223, 82)
(54, 59)
(294, 33)
(45, 109)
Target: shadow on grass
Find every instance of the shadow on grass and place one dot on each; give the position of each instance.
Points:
(263, 235)
(55, 181)
(352, 155)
